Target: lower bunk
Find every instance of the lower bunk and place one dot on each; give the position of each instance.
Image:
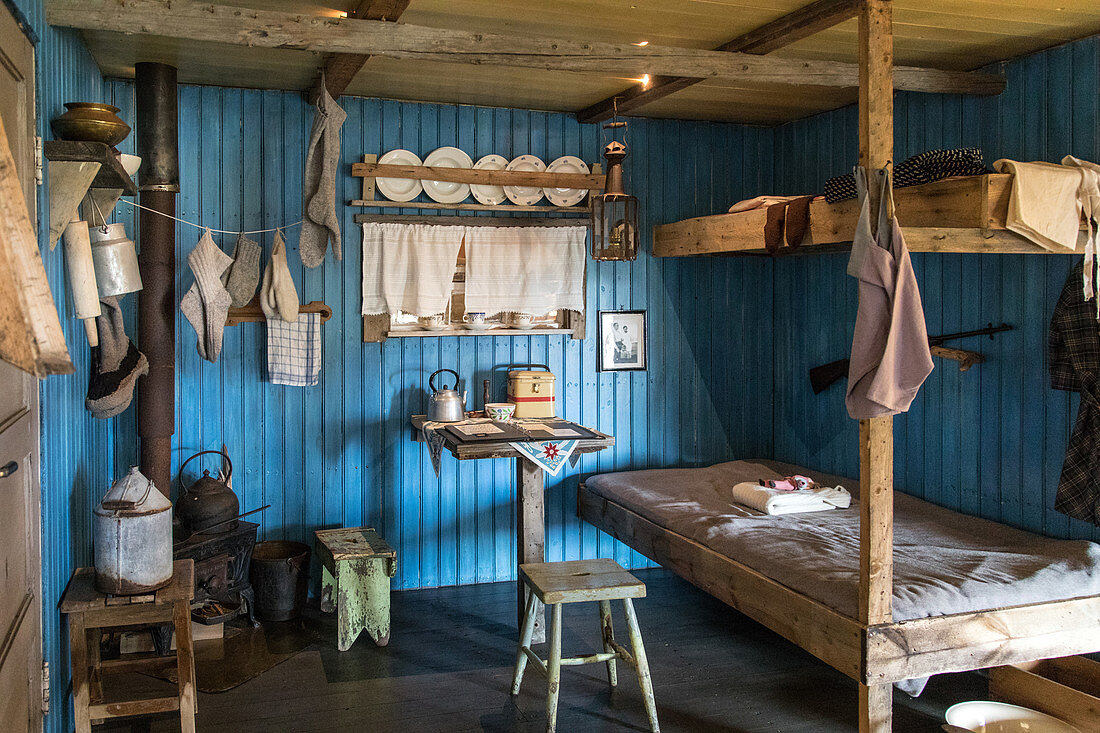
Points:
(968, 593)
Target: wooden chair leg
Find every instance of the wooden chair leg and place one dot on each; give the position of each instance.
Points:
(644, 680)
(876, 708)
(553, 669)
(607, 632)
(524, 641)
(185, 665)
(78, 651)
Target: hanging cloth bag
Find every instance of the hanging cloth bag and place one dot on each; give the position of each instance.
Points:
(890, 355)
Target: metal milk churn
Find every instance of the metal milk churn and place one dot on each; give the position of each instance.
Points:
(133, 537)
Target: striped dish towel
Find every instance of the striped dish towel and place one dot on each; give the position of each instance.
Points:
(294, 350)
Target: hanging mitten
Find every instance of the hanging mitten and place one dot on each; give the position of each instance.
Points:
(320, 222)
(278, 297)
(206, 304)
(243, 277)
(116, 364)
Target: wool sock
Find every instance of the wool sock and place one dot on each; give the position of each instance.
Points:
(278, 297)
(321, 223)
(206, 304)
(116, 364)
(243, 276)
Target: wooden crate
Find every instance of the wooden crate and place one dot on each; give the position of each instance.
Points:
(1067, 688)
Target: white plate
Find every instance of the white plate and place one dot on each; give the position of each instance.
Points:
(399, 189)
(525, 195)
(447, 192)
(566, 196)
(998, 717)
(489, 195)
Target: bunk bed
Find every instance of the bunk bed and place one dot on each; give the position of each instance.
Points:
(965, 214)
(863, 640)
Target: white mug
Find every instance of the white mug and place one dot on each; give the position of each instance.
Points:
(523, 320)
(476, 318)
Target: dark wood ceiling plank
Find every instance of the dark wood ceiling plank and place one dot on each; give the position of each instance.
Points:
(782, 31)
(339, 69)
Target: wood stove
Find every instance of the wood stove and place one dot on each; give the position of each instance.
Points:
(221, 571)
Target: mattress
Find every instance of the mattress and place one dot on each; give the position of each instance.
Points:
(944, 562)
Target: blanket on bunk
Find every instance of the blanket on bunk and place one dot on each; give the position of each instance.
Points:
(944, 562)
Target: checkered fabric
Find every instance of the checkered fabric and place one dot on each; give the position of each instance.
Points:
(294, 350)
(1074, 346)
(926, 167)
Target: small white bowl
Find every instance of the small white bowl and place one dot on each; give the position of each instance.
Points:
(500, 411)
(981, 716)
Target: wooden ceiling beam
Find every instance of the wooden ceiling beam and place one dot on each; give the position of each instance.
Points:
(781, 32)
(339, 69)
(270, 29)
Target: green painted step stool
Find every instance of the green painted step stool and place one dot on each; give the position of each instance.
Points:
(355, 582)
(574, 581)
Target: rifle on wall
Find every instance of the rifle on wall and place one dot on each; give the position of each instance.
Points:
(822, 377)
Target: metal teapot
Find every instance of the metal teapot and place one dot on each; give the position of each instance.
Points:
(444, 403)
(208, 501)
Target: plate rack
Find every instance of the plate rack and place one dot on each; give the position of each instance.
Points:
(370, 169)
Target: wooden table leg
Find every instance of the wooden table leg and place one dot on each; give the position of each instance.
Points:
(530, 535)
(185, 665)
(78, 653)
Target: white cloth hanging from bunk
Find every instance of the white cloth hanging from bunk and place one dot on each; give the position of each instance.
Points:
(525, 269)
(1043, 203)
(409, 267)
(1088, 198)
(890, 356)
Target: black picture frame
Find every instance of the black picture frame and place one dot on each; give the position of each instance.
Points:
(622, 341)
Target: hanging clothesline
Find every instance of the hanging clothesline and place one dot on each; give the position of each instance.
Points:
(200, 226)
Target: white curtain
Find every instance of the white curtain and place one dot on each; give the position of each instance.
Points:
(525, 269)
(409, 267)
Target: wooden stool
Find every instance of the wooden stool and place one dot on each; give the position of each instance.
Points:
(557, 583)
(355, 581)
(89, 611)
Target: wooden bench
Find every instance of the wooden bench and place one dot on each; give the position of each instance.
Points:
(90, 611)
(357, 567)
(557, 583)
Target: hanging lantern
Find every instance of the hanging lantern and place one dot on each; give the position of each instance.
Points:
(614, 212)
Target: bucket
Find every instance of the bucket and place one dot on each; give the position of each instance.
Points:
(279, 574)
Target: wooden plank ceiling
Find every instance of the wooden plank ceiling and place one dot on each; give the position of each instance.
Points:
(946, 34)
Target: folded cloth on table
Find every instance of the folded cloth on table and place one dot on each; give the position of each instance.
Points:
(1043, 204)
(778, 501)
(411, 268)
(525, 269)
(294, 350)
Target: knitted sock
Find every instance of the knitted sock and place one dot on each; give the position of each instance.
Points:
(243, 276)
(278, 297)
(116, 364)
(206, 304)
(321, 223)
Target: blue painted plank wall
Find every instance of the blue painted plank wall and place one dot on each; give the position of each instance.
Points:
(989, 441)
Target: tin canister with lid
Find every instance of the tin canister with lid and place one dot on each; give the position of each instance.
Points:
(531, 391)
(133, 537)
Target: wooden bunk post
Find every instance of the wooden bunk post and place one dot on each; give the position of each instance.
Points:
(876, 439)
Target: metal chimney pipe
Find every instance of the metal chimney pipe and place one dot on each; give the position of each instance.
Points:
(158, 182)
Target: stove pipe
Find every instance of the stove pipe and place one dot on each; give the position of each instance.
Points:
(158, 182)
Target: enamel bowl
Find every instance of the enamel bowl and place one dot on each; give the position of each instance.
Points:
(981, 716)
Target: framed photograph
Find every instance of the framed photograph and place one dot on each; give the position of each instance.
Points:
(622, 341)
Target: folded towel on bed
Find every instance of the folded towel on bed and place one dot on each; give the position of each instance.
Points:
(778, 501)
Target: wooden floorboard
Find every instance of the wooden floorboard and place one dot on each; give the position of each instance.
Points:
(448, 668)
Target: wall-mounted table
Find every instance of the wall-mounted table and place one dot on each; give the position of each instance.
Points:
(530, 505)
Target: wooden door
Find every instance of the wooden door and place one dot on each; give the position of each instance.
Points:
(20, 563)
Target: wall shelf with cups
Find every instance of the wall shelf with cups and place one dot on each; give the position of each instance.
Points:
(449, 177)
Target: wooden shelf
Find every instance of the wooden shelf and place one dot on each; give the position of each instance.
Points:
(252, 313)
(433, 206)
(111, 174)
(953, 215)
(459, 331)
(482, 221)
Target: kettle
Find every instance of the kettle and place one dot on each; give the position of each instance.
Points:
(444, 403)
(207, 502)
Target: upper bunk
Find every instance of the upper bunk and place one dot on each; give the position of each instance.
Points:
(964, 215)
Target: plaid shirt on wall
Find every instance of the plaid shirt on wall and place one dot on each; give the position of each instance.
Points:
(1075, 366)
